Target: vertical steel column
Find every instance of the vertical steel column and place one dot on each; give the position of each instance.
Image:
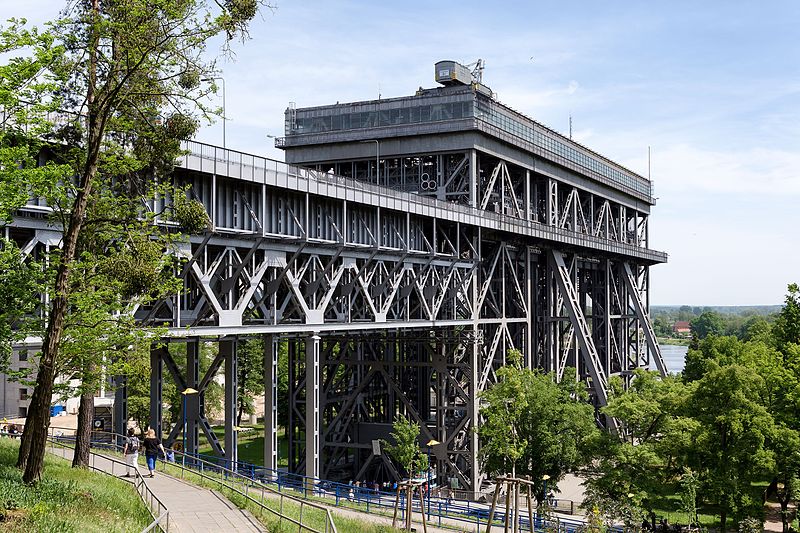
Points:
(473, 408)
(156, 389)
(192, 401)
(271, 405)
(227, 348)
(312, 408)
(120, 405)
(473, 178)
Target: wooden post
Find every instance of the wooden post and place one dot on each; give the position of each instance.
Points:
(396, 507)
(508, 506)
(530, 507)
(494, 504)
(422, 508)
(409, 505)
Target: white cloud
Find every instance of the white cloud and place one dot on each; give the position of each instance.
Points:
(681, 168)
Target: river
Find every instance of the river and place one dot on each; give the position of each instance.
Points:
(673, 356)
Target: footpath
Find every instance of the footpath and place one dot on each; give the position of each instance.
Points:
(192, 509)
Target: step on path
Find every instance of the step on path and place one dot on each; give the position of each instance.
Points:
(192, 509)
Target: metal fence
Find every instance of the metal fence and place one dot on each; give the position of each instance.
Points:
(157, 509)
(442, 506)
(246, 487)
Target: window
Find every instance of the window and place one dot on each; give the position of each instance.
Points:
(23, 412)
(23, 355)
(23, 394)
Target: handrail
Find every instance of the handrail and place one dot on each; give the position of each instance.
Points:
(141, 487)
(442, 508)
(248, 164)
(330, 526)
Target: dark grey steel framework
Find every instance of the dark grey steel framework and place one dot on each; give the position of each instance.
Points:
(402, 293)
(559, 298)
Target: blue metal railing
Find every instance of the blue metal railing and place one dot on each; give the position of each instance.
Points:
(438, 508)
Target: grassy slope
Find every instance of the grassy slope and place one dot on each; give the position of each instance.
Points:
(66, 500)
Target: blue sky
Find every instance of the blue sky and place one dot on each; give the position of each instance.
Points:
(713, 87)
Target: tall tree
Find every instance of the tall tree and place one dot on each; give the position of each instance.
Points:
(117, 65)
(708, 323)
(787, 327)
(732, 444)
(534, 426)
(634, 469)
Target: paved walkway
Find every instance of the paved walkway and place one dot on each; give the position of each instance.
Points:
(772, 516)
(191, 508)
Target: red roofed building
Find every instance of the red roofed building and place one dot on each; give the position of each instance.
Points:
(681, 327)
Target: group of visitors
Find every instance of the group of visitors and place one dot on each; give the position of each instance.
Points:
(150, 445)
(10, 430)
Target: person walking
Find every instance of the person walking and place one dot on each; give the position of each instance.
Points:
(131, 452)
(151, 447)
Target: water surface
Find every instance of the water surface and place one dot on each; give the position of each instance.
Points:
(673, 356)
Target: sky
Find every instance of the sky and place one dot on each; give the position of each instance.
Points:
(713, 88)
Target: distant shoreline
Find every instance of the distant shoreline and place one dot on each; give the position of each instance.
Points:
(674, 342)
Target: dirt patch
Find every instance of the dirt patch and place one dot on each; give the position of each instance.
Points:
(12, 515)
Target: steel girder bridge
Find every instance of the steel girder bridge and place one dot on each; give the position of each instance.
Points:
(404, 249)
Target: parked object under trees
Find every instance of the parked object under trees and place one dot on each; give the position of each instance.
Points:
(95, 86)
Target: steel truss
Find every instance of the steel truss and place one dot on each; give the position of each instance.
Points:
(394, 303)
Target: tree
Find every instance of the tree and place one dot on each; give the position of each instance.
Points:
(787, 326)
(708, 323)
(405, 450)
(116, 67)
(734, 429)
(786, 444)
(250, 366)
(533, 426)
(19, 298)
(634, 469)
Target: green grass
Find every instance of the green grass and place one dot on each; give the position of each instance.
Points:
(673, 341)
(707, 514)
(66, 500)
(251, 445)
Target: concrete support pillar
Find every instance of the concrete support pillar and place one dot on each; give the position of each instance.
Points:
(312, 408)
(227, 348)
(271, 405)
(156, 390)
(192, 401)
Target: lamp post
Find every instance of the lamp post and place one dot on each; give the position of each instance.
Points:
(224, 113)
(186, 392)
(431, 443)
(377, 163)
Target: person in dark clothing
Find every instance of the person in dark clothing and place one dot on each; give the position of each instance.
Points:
(152, 445)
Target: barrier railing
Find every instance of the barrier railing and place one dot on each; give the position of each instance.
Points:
(226, 478)
(442, 505)
(155, 507)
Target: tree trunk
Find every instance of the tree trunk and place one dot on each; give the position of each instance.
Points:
(25, 441)
(43, 392)
(239, 414)
(83, 436)
(785, 513)
(723, 515)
